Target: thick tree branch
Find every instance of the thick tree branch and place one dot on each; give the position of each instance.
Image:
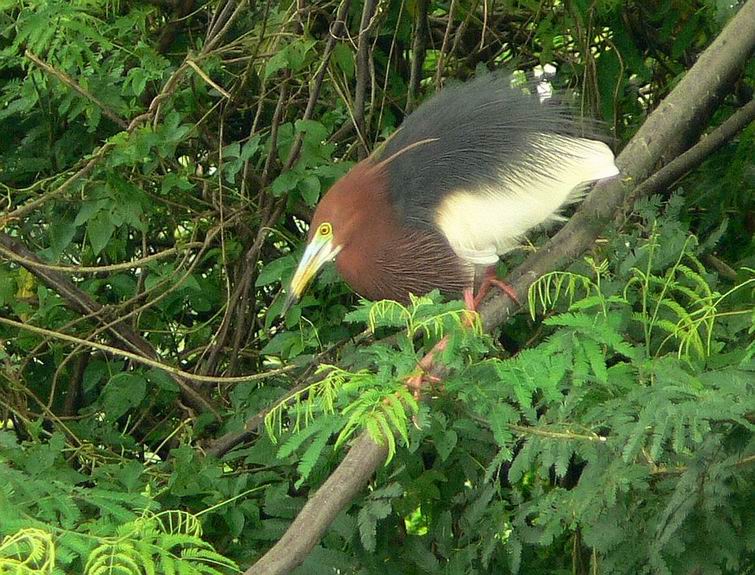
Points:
(703, 84)
(696, 155)
(345, 483)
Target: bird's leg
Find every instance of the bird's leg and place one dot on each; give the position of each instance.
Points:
(469, 299)
(471, 304)
(425, 369)
(427, 366)
(489, 280)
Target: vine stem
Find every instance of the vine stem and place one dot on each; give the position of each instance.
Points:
(145, 360)
(11, 255)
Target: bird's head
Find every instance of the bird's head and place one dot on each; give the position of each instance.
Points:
(335, 223)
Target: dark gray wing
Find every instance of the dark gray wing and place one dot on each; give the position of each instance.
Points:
(477, 135)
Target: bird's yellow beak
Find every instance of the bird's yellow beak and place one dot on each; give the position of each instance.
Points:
(319, 251)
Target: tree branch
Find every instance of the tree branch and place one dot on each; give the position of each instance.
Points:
(363, 71)
(419, 48)
(74, 85)
(696, 155)
(145, 360)
(345, 483)
(444, 46)
(726, 55)
(71, 269)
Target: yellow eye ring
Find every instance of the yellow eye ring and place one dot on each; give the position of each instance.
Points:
(325, 229)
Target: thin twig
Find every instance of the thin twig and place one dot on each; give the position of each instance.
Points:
(32, 205)
(444, 45)
(723, 269)
(556, 434)
(11, 255)
(216, 35)
(193, 65)
(145, 360)
(74, 85)
(419, 49)
(278, 114)
(314, 92)
(363, 72)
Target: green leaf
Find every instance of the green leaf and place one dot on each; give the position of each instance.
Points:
(445, 443)
(99, 230)
(313, 454)
(277, 61)
(7, 286)
(315, 131)
(309, 186)
(62, 231)
(297, 53)
(344, 59)
(94, 373)
(231, 150)
(89, 208)
(162, 380)
(333, 171)
(173, 180)
(138, 80)
(275, 271)
(368, 517)
(293, 57)
(123, 392)
(286, 182)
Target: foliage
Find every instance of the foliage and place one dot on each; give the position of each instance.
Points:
(378, 402)
(55, 521)
(160, 159)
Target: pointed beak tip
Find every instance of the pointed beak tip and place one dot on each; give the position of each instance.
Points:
(318, 252)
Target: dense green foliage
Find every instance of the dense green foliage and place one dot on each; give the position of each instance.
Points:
(161, 160)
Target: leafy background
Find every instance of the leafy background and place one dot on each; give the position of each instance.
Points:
(159, 162)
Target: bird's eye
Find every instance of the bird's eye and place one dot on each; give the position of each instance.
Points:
(325, 229)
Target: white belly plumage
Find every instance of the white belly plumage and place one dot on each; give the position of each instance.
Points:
(483, 223)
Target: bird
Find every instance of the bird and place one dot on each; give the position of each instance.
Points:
(460, 183)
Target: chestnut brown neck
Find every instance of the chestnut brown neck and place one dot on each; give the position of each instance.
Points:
(382, 257)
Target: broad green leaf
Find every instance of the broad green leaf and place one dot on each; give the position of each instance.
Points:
(7, 286)
(286, 182)
(99, 230)
(314, 130)
(123, 392)
(309, 186)
(344, 59)
(62, 231)
(275, 271)
(90, 208)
